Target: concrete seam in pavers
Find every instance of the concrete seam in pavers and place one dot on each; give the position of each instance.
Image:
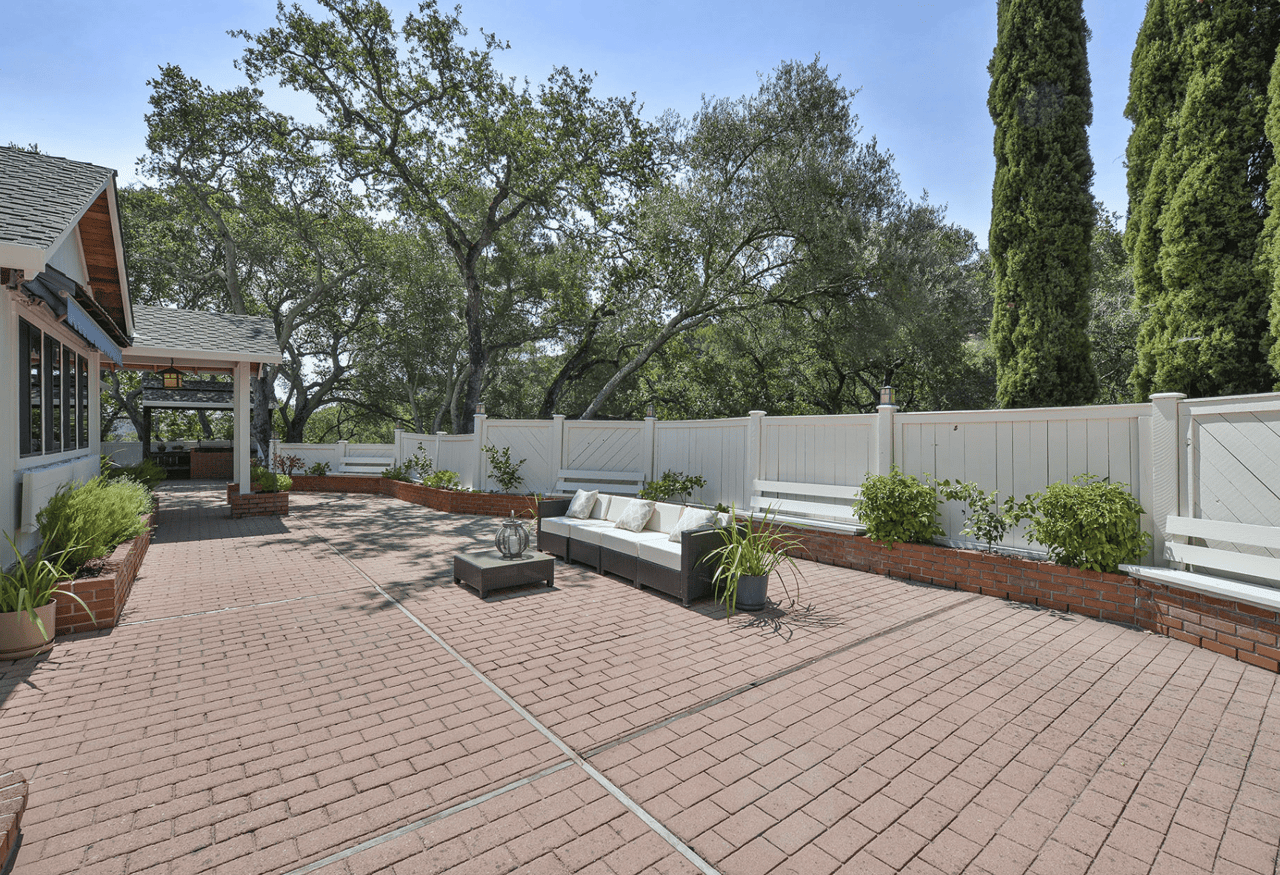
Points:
(609, 787)
(427, 821)
(778, 675)
(254, 607)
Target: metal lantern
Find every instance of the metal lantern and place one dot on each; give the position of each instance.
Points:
(512, 539)
(172, 377)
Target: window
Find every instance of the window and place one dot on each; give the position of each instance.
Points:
(84, 402)
(53, 407)
(29, 414)
(69, 398)
(52, 395)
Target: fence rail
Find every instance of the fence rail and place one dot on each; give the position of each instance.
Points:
(1218, 458)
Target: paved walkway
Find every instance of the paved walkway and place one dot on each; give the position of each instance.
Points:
(314, 694)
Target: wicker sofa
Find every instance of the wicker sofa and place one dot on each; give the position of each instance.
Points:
(647, 558)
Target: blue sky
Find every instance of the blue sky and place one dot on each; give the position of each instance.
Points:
(78, 87)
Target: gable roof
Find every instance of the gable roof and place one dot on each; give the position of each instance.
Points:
(189, 333)
(44, 195)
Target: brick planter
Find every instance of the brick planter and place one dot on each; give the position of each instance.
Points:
(106, 594)
(1241, 631)
(13, 801)
(259, 504)
(444, 500)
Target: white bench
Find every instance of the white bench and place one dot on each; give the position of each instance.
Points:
(1212, 559)
(620, 482)
(818, 505)
(365, 464)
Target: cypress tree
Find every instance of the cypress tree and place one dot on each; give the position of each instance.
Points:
(1042, 211)
(1157, 83)
(1271, 231)
(1205, 326)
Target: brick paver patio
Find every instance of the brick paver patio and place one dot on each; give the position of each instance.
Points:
(314, 694)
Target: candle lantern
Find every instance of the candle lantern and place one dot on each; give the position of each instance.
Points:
(512, 538)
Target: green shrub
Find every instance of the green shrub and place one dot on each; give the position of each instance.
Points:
(85, 521)
(319, 469)
(146, 472)
(988, 519)
(1089, 523)
(257, 472)
(398, 472)
(275, 482)
(898, 507)
(672, 484)
(505, 471)
(442, 480)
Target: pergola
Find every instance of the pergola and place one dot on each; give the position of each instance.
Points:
(209, 343)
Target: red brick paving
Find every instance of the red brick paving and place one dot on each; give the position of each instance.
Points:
(262, 707)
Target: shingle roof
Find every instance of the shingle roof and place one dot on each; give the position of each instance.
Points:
(250, 337)
(202, 392)
(41, 196)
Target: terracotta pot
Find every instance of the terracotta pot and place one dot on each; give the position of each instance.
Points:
(20, 637)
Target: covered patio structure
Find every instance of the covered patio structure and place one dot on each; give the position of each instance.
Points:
(196, 342)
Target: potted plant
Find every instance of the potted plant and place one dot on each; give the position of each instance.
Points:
(27, 607)
(751, 552)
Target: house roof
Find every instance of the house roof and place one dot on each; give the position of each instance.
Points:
(196, 335)
(44, 195)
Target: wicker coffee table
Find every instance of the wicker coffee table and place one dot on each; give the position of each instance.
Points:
(487, 570)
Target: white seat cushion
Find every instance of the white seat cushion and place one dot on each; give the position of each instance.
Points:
(568, 527)
(659, 551)
(624, 542)
(665, 517)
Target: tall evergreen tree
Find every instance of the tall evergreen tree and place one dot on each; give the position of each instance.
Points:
(1157, 84)
(1042, 211)
(1271, 231)
(1204, 330)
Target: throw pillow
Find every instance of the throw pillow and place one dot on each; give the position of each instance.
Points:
(582, 505)
(692, 518)
(636, 515)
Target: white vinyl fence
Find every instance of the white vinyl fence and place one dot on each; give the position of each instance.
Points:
(1218, 458)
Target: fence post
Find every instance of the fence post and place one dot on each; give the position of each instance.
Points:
(435, 460)
(342, 456)
(399, 448)
(650, 450)
(884, 437)
(557, 450)
(1166, 479)
(478, 481)
(273, 447)
(755, 448)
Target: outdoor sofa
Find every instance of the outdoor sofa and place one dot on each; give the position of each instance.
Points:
(647, 558)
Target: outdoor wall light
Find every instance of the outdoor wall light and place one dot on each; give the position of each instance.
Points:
(512, 538)
(887, 395)
(649, 411)
(480, 408)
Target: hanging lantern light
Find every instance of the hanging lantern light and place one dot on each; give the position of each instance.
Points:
(512, 538)
(172, 377)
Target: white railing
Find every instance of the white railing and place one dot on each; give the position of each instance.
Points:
(1216, 458)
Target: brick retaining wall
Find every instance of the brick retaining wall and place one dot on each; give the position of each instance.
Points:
(1240, 631)
(13, 801)
(105, 595)
(259, 504)
(443, 500)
